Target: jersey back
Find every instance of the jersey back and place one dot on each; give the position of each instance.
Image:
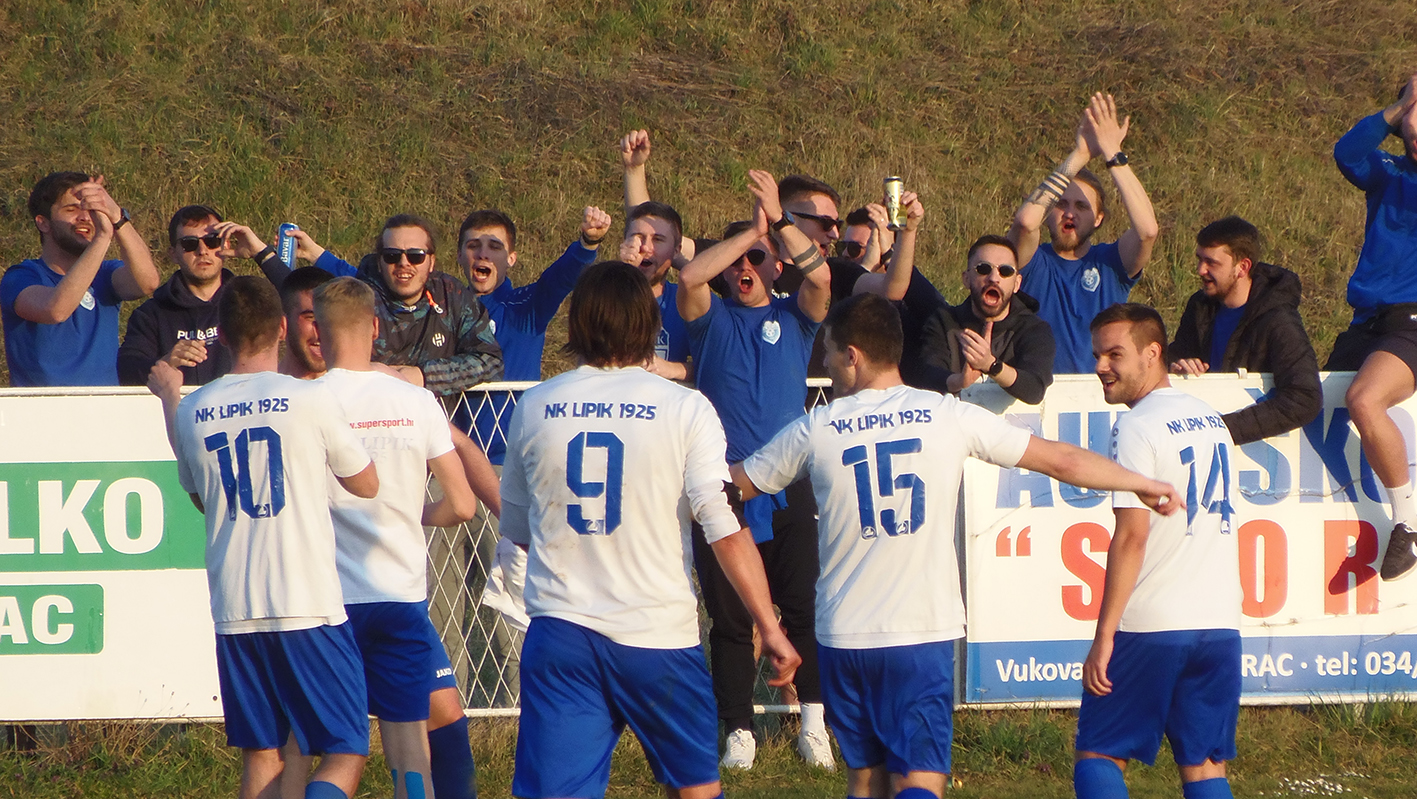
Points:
(609, 463)
(1190, 574)
(886, 468)
(382, 552)
(255, 448)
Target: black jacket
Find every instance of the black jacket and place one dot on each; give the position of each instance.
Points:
(1021, 339)
(172, 314)
(1269, 338)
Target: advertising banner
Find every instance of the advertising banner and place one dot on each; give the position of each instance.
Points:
(1312, 524)
(103, 592)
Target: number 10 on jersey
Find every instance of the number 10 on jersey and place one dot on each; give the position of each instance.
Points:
(885, 486)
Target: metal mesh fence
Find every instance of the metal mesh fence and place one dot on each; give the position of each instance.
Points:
(484, 648)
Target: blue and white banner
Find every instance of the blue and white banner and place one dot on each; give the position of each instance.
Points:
(1313, 524)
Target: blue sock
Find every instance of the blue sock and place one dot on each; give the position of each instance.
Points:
(1099, 778)
(323, 790)
(1216, 788)
(454, 774)
(916, 793)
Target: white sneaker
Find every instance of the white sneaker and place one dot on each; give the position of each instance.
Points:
(739, 750)
(816, 749)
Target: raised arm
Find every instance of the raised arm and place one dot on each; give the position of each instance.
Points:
(1357, 152)
(1027, 227)
(895, 281)
(138, 277)
(814, 295)
(52, 305)
(1086, 469)
(694, 296)
(1107, 134)
(634, 153)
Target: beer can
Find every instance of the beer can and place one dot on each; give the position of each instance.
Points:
(285, 243)
(895, 212)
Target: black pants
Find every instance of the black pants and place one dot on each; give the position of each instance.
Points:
(790, 560)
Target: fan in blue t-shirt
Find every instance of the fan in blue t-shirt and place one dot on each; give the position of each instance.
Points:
(1072, 278)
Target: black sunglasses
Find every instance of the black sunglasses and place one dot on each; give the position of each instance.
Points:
(850, 249)
(827, 222)
(415, 255)
(189, 243)
(756, 257)
(1005, 270)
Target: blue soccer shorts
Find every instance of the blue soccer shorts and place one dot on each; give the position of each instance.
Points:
(892, 705)
(580, 690)
(309, 682)
(1184, 684)
(402, 656)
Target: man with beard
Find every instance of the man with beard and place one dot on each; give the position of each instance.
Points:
(750, 354)
(995, 332)
(1246, 316)
(178, 325)
(1072, 278)
(431, 328)
(60, 310)
(1381, 342)
(653, 236)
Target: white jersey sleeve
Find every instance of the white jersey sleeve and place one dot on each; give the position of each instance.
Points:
(1134, 449)
(990, 437)
(706, 470)
(515, 523)
(440, 438)
(784, 460)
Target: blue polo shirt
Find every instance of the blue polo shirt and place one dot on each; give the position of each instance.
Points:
(520, 316)
(79, 351)
(1071, 292)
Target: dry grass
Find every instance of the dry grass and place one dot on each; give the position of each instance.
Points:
(337, 115)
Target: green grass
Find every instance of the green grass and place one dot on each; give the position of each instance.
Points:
(1015, 754)
(336, 115)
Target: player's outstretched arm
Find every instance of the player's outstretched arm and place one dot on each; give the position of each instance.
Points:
(364, 485)
(1124, 558)
(458, 503)
(479, 472)
(1026, 230)
(1086, 469)
(743, 566)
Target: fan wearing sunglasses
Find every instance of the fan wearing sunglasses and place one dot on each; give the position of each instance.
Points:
(750, 352)
(178, 324)
(996, 332)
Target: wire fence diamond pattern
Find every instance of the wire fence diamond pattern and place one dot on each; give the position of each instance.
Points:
(484, 648)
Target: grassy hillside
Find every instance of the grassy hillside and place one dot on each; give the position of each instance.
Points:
(336, 115)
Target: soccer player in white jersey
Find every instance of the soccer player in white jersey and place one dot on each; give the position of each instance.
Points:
(604, 466)
(254, 449)
(382, 553)
(885, 462)
(1166, 656)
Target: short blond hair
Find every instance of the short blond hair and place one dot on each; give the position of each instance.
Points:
(343, 303)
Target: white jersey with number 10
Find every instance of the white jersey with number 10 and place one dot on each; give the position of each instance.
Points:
(256, 449)
(886, 467)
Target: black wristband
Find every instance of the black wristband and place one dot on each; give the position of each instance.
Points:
(735, 502)
(262, 256)
(591, 245)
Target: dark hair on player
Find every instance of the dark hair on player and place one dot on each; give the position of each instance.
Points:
(306, 278)
(663, 211)
(614, 318)
(734, 228)
(870, 323)
(795, 187)
(990, 238)
(1235, 234)
(249, 314)
(1086, 176)
(489, 217)
(409, 220)
(859, 217)
(1146, 324)
(189, 215)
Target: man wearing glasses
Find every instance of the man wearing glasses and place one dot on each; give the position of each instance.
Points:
(431, 328)
(995, 332)
(750, 352)
(178, 324)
